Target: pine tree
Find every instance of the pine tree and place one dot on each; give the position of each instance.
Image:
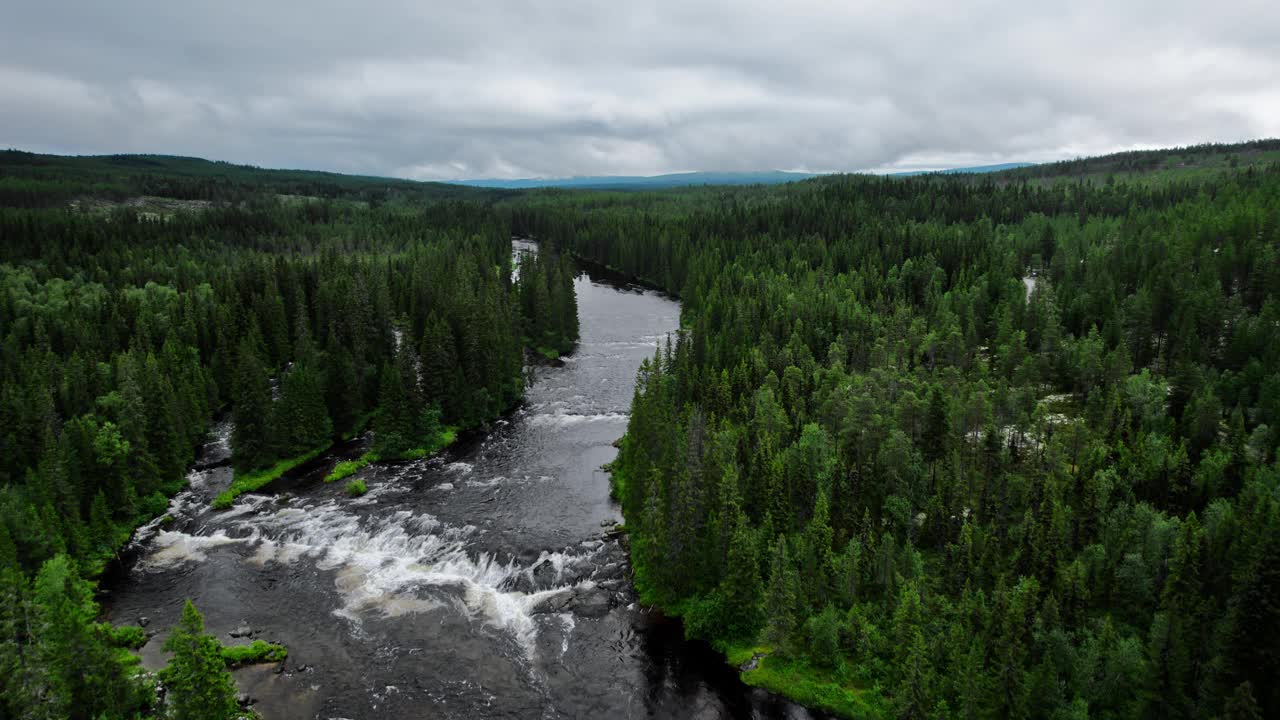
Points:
(76, 673)
(393, 425)
(781, 596)
(913, 696)
(823, 630)
(343, 396)
(439, 366)
(742, 587)
(251, 438)
(1252, 651)
(300, 419)
(937, 435)
(200, 688)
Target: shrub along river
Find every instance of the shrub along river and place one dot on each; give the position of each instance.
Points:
(480, 583)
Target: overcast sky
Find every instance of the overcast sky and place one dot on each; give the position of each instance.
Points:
(430, 89)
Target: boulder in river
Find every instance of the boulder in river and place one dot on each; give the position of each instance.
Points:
(609, 571)
(592, 603)
(544, 574)
(241, 632)
(560, 602)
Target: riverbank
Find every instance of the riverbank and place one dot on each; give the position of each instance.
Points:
(761, 666)
(346, 468)
(619, 274)
(758, 665)
(258, 479)
(483, 583)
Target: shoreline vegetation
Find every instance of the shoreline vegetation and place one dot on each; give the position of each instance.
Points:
(369, 302)
(842, 470)
(255, 653)
(346, 468)
(885, 477)
(251, 481)
(761, 665)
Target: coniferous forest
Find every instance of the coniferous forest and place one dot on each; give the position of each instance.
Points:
(125, 335)
(931, 447)
(943, 447)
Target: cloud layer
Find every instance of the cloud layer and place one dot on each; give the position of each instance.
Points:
(435, 90)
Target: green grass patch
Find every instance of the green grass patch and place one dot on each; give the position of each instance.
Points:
(343, 470)
(347, 468)
(806, 684)
(356, 488)
(255, 652)
(736, 655)
(258, 478)
(442, 440)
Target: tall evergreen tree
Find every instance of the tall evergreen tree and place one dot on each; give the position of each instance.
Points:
(251, 439)
(199, 686)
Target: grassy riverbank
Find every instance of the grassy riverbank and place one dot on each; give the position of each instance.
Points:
(800, 681)
(347, 468)
(251, 481)
(832, 690)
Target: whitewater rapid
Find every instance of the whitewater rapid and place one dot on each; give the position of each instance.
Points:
(486, 582)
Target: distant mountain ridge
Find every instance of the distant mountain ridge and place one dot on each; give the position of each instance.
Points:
(976, 170)
(27, 177)
(669, 180)
(687, 179)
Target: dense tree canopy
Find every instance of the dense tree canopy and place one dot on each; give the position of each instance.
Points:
(938, 446)
(962, 447)
(123, 335)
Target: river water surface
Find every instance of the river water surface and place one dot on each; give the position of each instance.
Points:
(478, 584)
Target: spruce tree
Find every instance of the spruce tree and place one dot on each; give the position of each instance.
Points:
(742, 588)
(75, 672)
(251, 439)
(393, 425)
(781, 596)
(199, 686)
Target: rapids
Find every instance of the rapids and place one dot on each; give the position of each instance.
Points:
(481, 583)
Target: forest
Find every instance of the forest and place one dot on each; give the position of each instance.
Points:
(930, 447)
(123, 336)
(962, 447)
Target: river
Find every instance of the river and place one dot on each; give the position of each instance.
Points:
(477, 584)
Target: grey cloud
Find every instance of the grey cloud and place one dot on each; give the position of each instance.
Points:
(450, 90)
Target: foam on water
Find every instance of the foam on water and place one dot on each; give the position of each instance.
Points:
(201, 486)
(567, 620)
(173, 548)
(567, 419)
(392, 565)
(485, 483)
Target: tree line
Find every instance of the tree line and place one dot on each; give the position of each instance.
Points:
(957, 448)
(122, 338)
